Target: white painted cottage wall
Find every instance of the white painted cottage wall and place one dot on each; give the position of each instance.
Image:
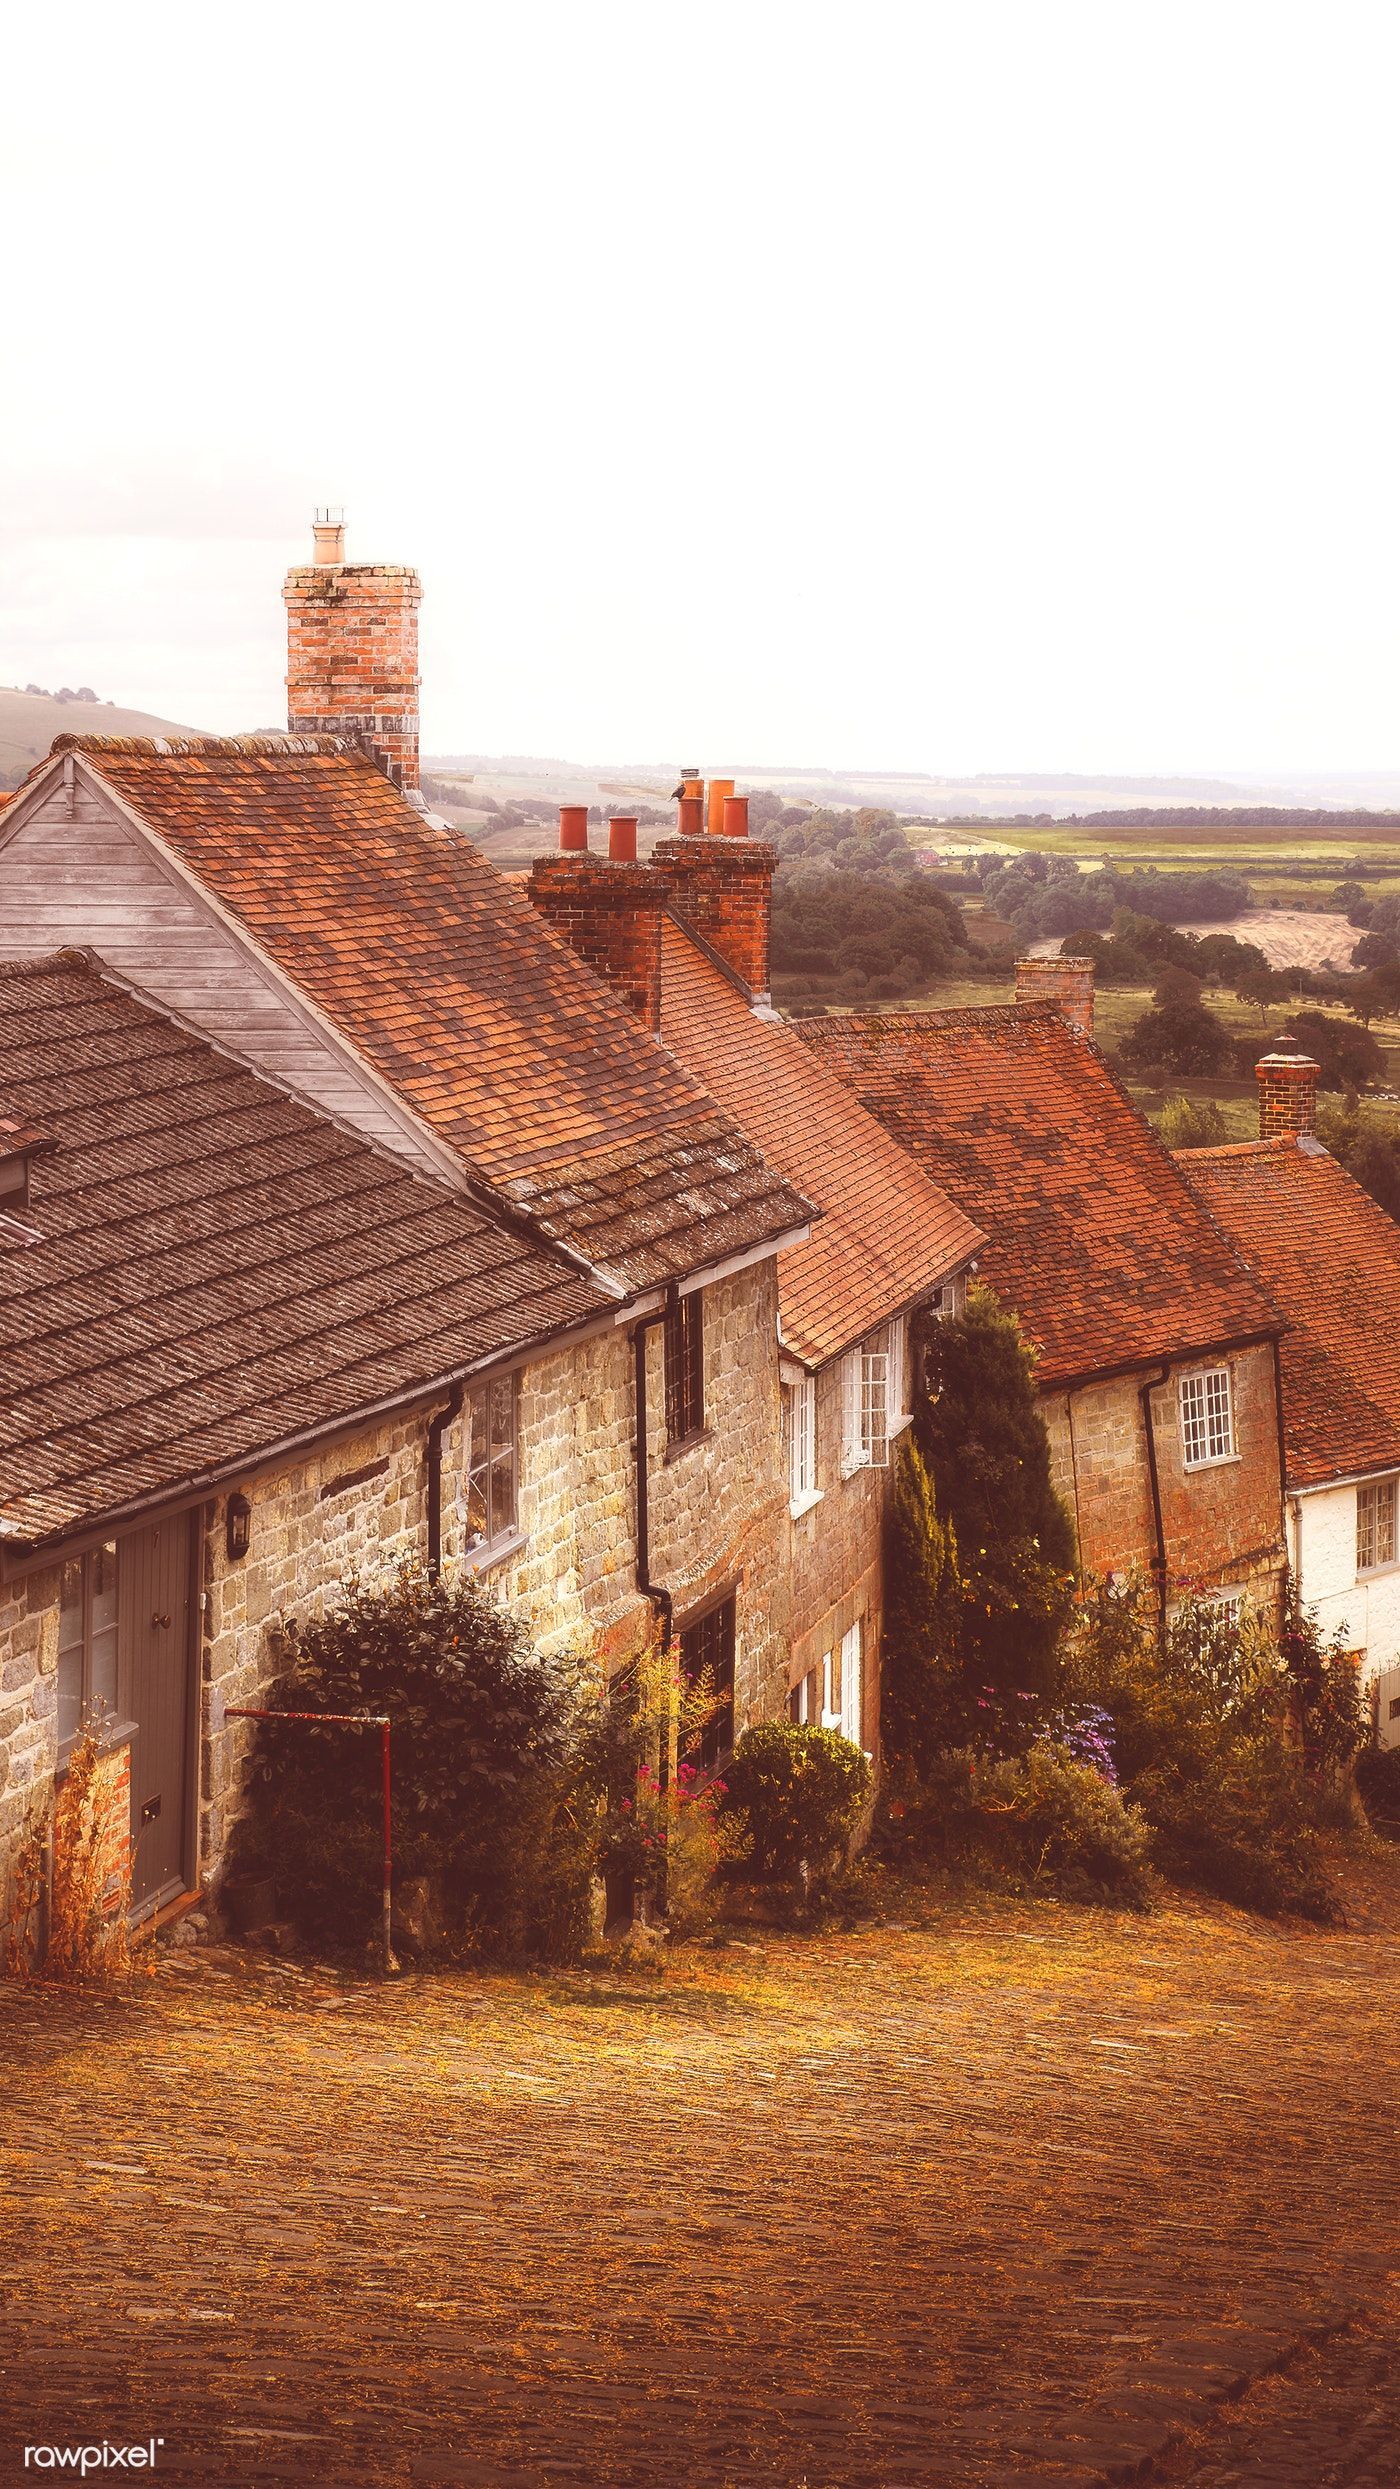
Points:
(1366, 1610)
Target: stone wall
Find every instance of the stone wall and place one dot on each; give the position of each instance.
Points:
(718, 1509)
(1223, 1525)
(28, 1707)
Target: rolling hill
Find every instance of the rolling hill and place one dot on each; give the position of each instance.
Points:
(29, 720)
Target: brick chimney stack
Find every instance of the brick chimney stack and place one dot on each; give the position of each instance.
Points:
(352, 650)
(720, 879)
(1287, 1095)
(1063, 985)
(608, 908)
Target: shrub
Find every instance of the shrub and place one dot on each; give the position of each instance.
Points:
(1065, 1825)
(793, 1797)
(1230, 1739)
(1192, 1123)
(1378, 1780)
(495, 1769)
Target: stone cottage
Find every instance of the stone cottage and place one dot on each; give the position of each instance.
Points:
(292, 901)
(1157, 1351)
(685, 938)
(1329, 1259)
(234, 1334)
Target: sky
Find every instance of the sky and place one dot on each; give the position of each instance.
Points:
(865, 386)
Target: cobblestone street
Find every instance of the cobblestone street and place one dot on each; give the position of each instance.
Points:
(1011, 2194)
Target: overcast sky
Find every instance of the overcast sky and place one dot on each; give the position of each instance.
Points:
(929, 386)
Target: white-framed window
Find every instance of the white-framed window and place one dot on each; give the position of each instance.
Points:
(87, 1645)
(800, 1423)
(872, 1413)
(1375, 1524)
(1207, 1417)
(848, 1692)
(492, 1464)
(899, 1410)
(1229, 1606)
(944, 1302)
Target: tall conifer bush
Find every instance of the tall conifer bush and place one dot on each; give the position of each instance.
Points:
(921, 1698)
(984, 1445)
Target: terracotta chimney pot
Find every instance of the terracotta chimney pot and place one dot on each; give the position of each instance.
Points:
(692, 812)
(573, 829)
(736, 816)
(719, 789)
(622, 838)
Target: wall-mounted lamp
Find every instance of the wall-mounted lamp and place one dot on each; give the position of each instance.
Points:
(238, 1526)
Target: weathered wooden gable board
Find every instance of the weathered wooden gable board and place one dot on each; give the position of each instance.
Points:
(74, 870)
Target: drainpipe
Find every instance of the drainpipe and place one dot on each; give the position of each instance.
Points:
(660, 1598)
(1159, 1565)
(438, 1424)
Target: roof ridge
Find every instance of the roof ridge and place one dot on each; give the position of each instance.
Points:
(217, 747)
(72, 960)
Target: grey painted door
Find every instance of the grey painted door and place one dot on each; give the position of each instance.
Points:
(154, 1575)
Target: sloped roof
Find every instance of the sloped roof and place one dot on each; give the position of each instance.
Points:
(448, 981)
(1330, 1259)
(887, 1234)
(217, 1268)
(1096, 1238)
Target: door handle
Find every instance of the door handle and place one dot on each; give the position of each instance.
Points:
(160, 1620)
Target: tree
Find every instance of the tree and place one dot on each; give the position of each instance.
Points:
(1182, 1036)
(1349, 1057)
(984, 1445)
(1367, 1144)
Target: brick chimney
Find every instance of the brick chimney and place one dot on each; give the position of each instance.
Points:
(721, 882)
(1287, 1095)
(352, 650)
(608, 908)
(1064, 985)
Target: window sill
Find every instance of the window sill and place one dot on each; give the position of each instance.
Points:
(490, 1552)
(1219, 1460)
(1378, 1572)
(686, 1443)
(112, 1735)
(801, 1504)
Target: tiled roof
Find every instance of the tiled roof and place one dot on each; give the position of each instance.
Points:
(887, 1235)
(1330, 1259)
(450, 983)
(1096, 1238)
(217, 1268)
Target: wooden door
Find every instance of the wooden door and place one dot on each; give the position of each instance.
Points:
(154, 1574)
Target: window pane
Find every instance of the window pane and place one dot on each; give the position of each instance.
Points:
(851, 1674)
(102, 1628)
(70, 1654)
(683, 1339)
(707, 1666)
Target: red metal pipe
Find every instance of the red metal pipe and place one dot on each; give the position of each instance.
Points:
(349, 1719)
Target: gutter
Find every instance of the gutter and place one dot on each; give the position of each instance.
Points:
(1159, 1562)
(1233, 1340)
(659, 1596)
